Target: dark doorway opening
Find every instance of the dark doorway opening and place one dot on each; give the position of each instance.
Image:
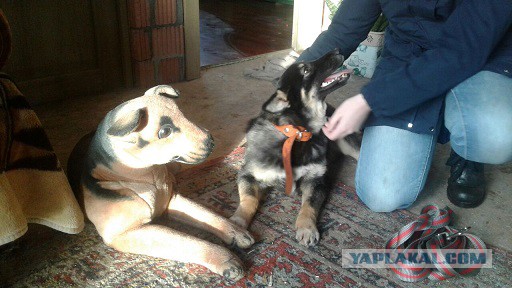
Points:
(236, 29)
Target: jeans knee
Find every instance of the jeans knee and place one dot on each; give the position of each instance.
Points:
(504, 155)
(384, 198)
(477, 114)
(490, 146)
(492, 149)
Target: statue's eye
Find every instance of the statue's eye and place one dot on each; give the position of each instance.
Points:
(165, 131)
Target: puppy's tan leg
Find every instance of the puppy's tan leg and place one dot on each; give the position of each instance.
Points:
(163, 242)
(193, 213)
(250, 194)
(313, 195)
(350, 145)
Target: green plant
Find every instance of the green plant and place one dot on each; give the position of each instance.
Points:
(380, 24)
(333, 7)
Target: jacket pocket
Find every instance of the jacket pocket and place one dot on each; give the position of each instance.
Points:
(437, 10)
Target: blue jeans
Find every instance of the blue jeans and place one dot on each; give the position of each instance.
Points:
(394, 163)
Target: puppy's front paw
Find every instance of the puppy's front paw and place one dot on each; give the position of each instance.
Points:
(307, 236)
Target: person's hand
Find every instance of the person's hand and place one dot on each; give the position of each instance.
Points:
(348, 118)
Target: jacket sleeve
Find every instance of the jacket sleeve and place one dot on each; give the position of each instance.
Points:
(469, 36)
(349, 27)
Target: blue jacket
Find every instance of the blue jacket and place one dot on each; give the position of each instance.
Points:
(430, 46)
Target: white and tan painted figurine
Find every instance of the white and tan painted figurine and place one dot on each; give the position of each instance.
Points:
(126, 182)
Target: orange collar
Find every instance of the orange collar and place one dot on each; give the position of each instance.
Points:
(294, 133)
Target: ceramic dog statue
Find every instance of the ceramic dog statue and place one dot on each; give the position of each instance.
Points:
(126, 182)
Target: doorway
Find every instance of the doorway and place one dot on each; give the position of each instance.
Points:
(236, 29)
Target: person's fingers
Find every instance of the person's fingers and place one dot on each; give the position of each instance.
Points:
(326, 132)
(329, 124)
(347, 118)
(338, 131)
(334, 119)
(334, 130)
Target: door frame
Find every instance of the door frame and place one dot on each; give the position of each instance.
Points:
(308, 22)
(192, 39)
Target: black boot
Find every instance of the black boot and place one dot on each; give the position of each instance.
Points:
(466, 185)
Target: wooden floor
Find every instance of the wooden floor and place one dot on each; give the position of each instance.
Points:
(247, 28)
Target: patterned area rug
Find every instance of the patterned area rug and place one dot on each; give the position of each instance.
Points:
(276, 260)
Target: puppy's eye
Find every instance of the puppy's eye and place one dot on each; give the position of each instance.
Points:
(306, 71)
(165, 131)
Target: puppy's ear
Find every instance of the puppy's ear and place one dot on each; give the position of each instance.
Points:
(132, 121)
(163, 90)
(277, 103)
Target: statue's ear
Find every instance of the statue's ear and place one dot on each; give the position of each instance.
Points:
(277, 103)
(128, 122)
(163, 90)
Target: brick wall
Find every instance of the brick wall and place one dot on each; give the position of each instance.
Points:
(156, 41)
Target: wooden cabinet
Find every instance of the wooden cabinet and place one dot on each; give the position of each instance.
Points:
(67, 48)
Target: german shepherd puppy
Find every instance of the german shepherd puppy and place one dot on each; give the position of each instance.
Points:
(126, 183)
(298, 101)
